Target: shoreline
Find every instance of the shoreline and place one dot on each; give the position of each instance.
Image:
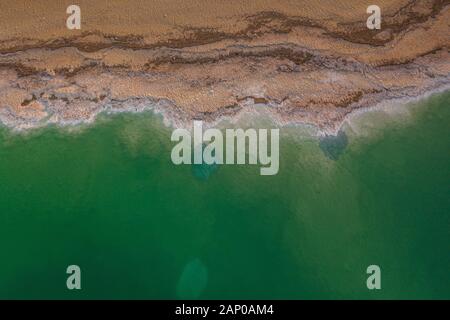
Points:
(291, 65)
(254, 112)
(395, 104)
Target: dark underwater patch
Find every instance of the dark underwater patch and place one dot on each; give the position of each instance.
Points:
(334, 146)
(204, 171)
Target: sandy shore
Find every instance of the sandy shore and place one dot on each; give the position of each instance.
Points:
(311, 62)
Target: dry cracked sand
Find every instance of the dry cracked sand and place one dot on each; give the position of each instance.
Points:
(310, 61)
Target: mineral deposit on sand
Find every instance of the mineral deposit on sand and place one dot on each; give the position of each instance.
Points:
(311, 61)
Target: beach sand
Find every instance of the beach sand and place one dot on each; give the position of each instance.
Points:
(310, 62)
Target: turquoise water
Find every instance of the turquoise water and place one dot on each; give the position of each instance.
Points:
(108, 198)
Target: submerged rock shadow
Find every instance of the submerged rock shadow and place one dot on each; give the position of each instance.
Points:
(334, 146)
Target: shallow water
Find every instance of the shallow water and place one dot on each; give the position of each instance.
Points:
(108, 198)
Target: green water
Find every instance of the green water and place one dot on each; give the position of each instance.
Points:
(108, 198)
